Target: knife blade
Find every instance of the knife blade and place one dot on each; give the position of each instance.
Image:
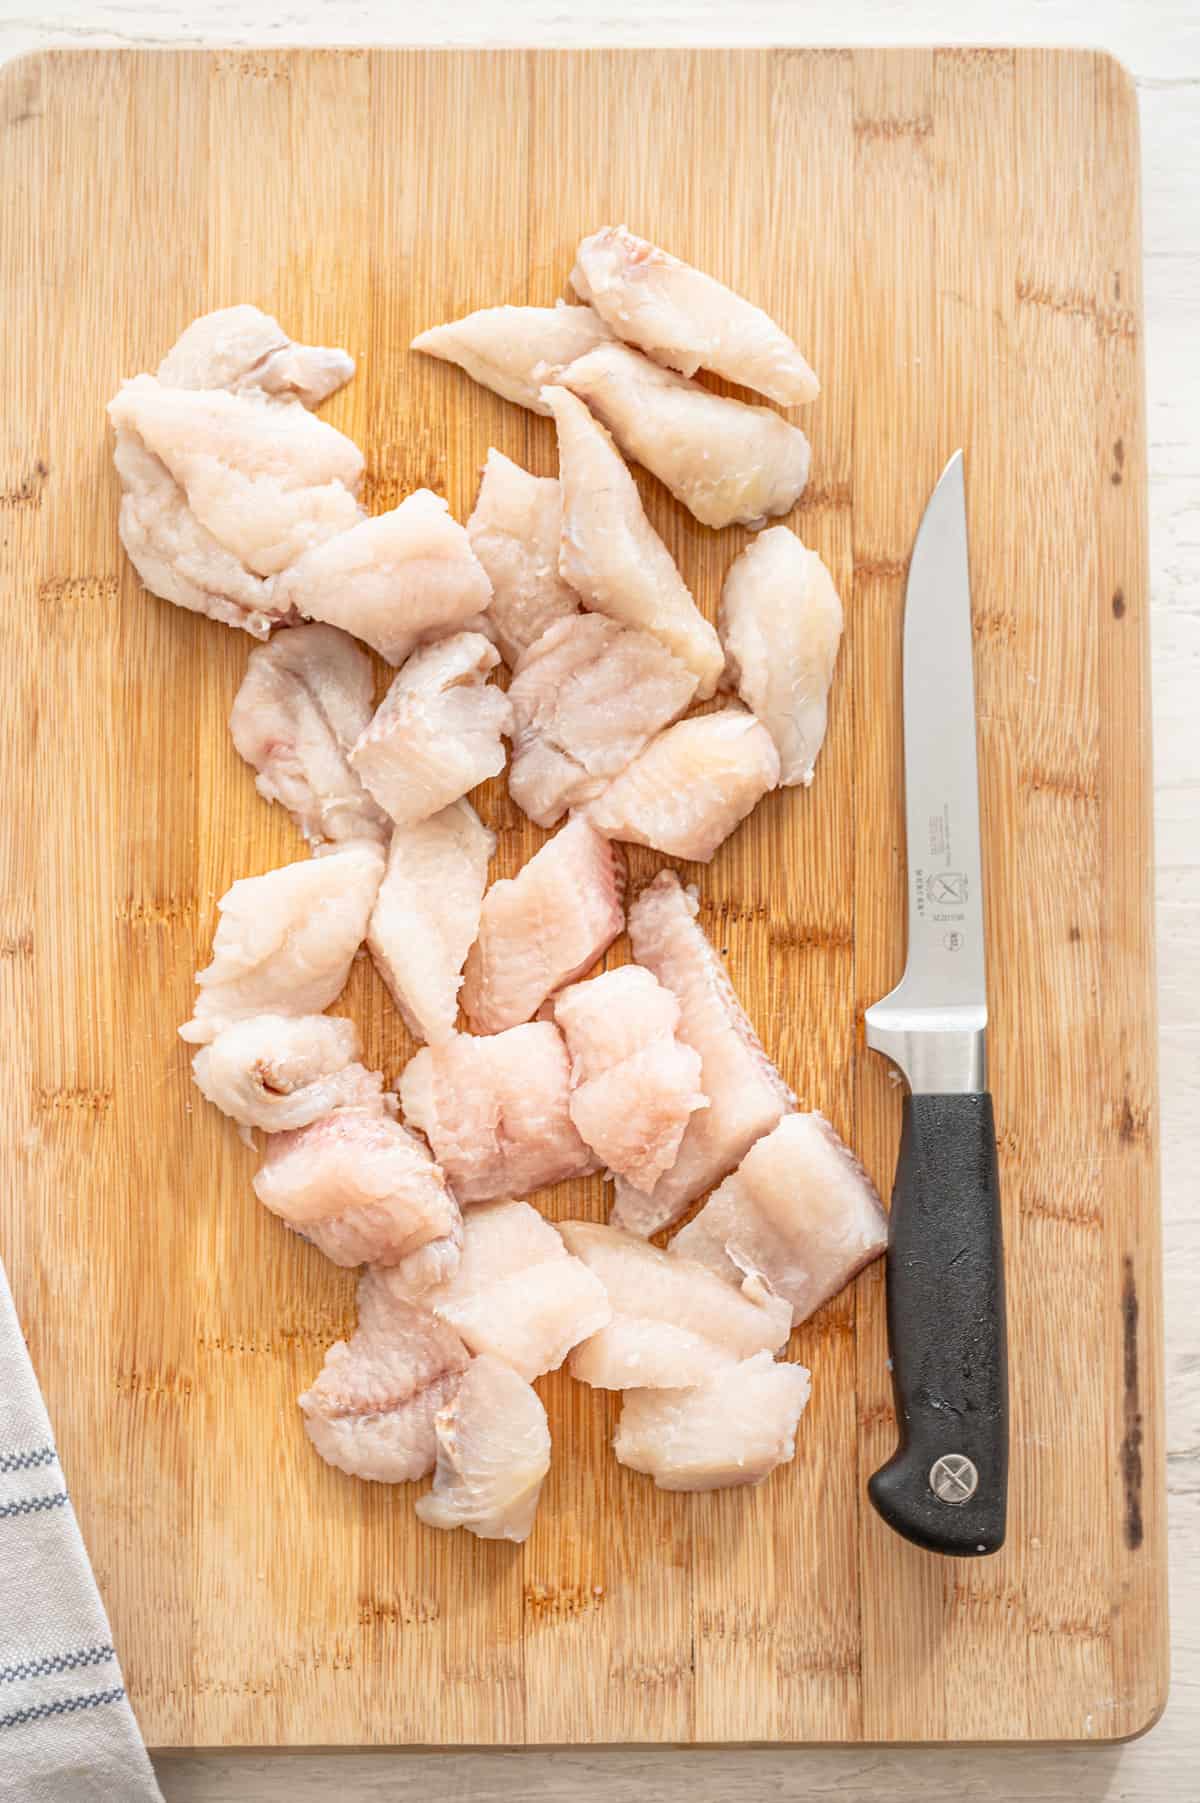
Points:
(945, 1488)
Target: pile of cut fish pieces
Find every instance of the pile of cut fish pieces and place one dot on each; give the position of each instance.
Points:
(239, 503)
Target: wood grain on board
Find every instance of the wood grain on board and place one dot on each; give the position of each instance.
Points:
(954, 238)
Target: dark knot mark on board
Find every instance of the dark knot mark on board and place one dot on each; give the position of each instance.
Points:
(1075, 303)
(158, 911)
(78, 591)
(1115, 475)
(977, 56)
(881, 569)
(1131, 1444)
(1064, 1211)
(167, 1385)
(1134, 1124)
(1118, 604)
(832, 496)
(919, 126)
(1064, 784)
(1074, 935)
(262, 67)
(28, 491)
(396, 1611)
(995, 623)
(400, 467)
(73, 1098)
(562, 1600)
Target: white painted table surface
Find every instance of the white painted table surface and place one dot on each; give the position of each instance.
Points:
(1159, 41)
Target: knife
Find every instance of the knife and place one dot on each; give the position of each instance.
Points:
(946, 1485)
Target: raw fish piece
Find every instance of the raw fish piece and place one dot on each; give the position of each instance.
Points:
(495, 1111)
(515, 350)
(781, 623)
(691, 786)
(371, 1411)
(587, 697)
(612, 1017)
(733, 1429)
(493, 1452)
(636, 1086)
(634, 1117)
(241, 348)
(612, 556)
(426, 915)
(179, 559)
(674, 1322)
(304, 700)
(685, 319)
(747, 1096)
(544, 927)
(269, 482)
(517, 1293)
(799, 1212)
(504, 1238)
(279, 1071)
(285, 941)
(360, 1187)
(394, 581)
(437, 732)
(729, 463)
(515, 532)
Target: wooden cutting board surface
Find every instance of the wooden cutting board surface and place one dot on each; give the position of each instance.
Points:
(954, 238)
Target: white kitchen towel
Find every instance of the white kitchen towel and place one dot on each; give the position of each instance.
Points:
(67, 1733)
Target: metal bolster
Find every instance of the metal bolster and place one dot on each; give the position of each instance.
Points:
(935, 1059)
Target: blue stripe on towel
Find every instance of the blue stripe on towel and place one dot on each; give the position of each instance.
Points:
(39, 1712)
(59, 1662)
(27, 1461)
(33, 1505)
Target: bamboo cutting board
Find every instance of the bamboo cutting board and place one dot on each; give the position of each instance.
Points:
(954, 238)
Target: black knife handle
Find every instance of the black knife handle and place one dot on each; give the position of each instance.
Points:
(946, 1332)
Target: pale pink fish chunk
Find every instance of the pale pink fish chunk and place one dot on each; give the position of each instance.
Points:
(517, 1293)
(729, 463)
(242, 348)
(612, 1017)
(178, 558)
(438, 730)
(394, 581)
(587, 697)
(426, 915)
(691, 786)
(304, 701)
(781, 622)
(279, 1071)
(360, 1187)
(612, 556)
(635, 1085)
(371, 1411)
(285, 941)
(799, 1212)
(493, 1453)
(495, 1110)
(674, 1322)
(268, 481)
(747, 1095)
(735, 1428)
(516, 350)
(544, 927)
(515, 533)
(685, 319)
